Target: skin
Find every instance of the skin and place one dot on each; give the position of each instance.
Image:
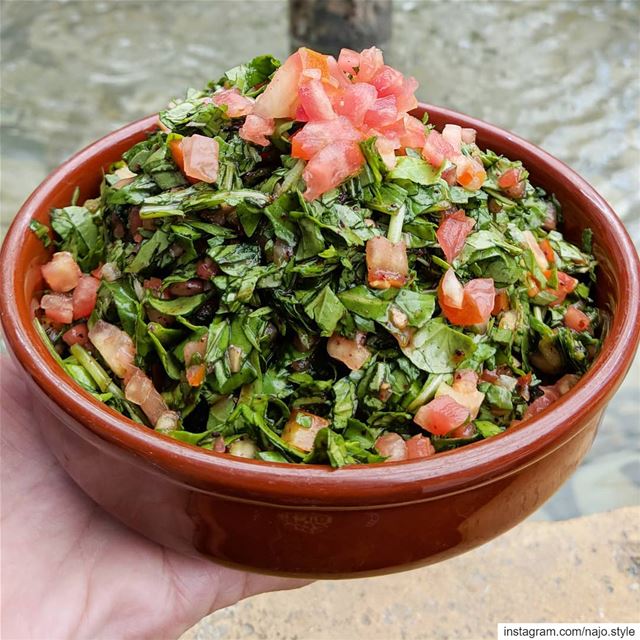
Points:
(70, 570)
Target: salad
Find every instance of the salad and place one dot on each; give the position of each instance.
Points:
(294, 268)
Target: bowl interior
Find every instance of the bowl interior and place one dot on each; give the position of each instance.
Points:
(618, 292)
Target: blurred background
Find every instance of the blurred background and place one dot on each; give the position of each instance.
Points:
(565, 75)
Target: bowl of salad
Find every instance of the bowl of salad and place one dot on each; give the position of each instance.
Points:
(301, 323)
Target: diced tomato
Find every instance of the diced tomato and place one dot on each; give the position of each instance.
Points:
(410, 132)
(200, 158)
(115, 347)
(547, 250)
(280, 98)
(352, 352)
(315, 102)
(313, 60)
(501, 302)
(470, 173)
(370, 63)
(387, 264)
(468, 135)
(452, 133)
(441, 415)
(155, 286)
(383, 112)
(78, 334)
(355, 101)
(237, 104)
(419, 447)
(140, 390)
(315, 136)
(566, 383)
(84, 296)
(392, 446)
(477, 304)
(550, 395)
(58, 307)
(566, 284)
(61, 272)
(464, 392)
(387, 81)
(509, 178)
(452, 233)
(196, 369)
(301, 429)
(550, 219)
(256, 129)
(349, 61)
(576, 319)
(436, 149)
(330, 167)
(452, 290)
(449, 175)
(465, 431)
(387, 150)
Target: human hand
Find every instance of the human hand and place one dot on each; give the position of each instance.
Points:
(71, 570)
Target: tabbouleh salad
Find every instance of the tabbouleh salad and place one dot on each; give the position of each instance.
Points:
(294, 268)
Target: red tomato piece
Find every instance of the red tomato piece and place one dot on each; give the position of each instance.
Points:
(115, 347)
(566, 284)
(468, 135)
(349, 61)
(351, 352)
(387, 264)
(409, 132)
(392, 446)
(84, 296)
(237, 104)
(442, 415)
(383, 112)
(436, 149)
(301, 429)
(452, 290)
(388, 81)
(509, 178)
(61, 272)
(355, 101)
(78, 334)
(200, 158)
(256, 129)
(452, 133)
(576, 319)
(315, 136)
(501, 302)
(547, 249)
(477, 305)
(330, 167)
(452, 233)
(58, 307)
(470, 173)
(311, 59)
(550, 395)
(371, 61)
(315, 102)
(280, 98)
(419, 447)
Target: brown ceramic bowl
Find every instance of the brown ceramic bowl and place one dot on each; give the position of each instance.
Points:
(287, 519)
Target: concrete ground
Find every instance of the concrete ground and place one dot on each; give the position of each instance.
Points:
(581, 570)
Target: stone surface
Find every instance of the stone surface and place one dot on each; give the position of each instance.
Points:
(581, 570)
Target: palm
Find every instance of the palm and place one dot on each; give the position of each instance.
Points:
(69, 569)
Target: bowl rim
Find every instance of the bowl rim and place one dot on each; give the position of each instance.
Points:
(383, 484)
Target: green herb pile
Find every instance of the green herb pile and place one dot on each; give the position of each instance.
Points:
(286, 274)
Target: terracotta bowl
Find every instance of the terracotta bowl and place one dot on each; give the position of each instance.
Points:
(286, 519)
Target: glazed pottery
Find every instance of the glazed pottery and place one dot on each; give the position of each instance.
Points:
(313, 520)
